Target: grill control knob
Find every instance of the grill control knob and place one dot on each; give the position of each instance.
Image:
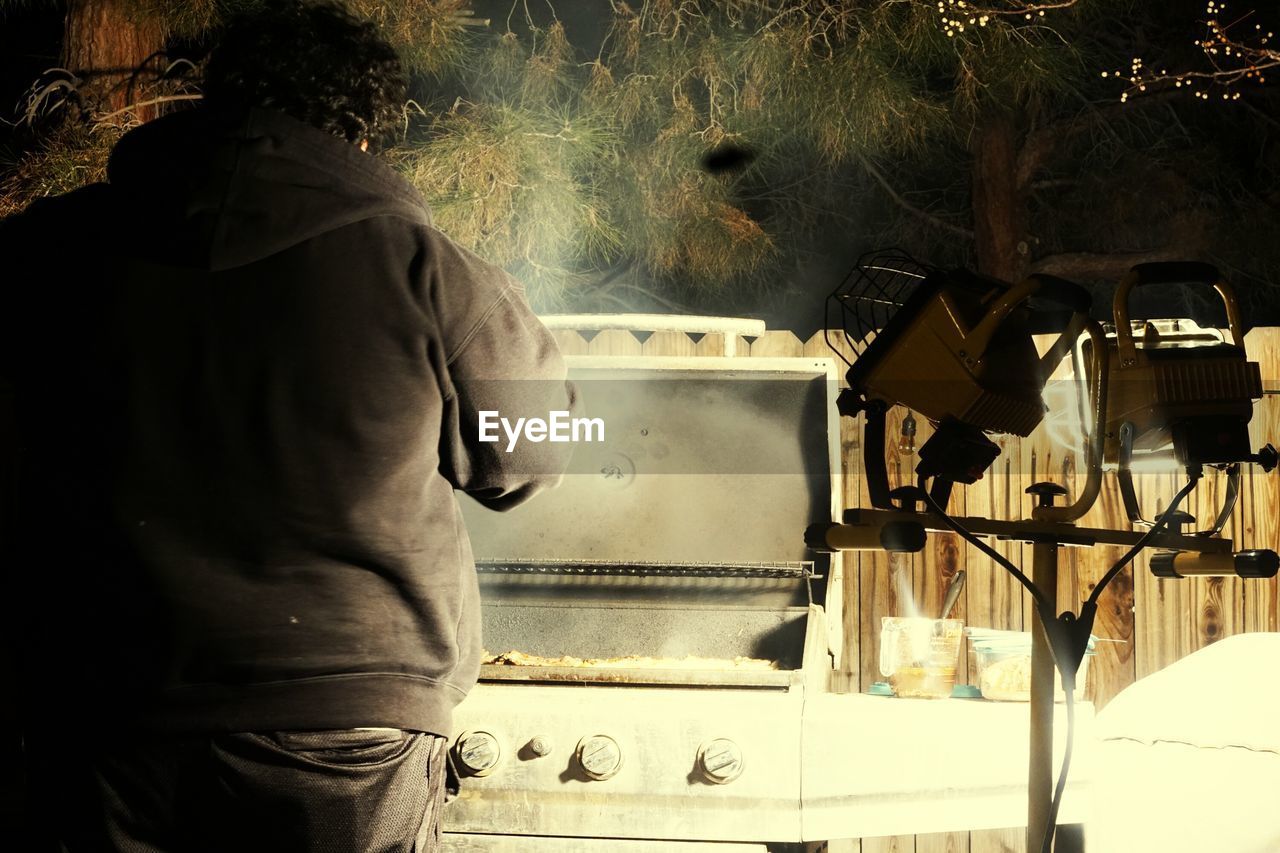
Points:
(540, 746)
(599, 756)
(720, 761)
(478, 752)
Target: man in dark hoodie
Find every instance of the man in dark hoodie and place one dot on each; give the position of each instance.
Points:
(248, 373)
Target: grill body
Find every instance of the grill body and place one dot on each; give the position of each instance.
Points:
(672, 552)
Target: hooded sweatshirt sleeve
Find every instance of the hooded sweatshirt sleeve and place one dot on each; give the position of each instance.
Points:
(501, 364)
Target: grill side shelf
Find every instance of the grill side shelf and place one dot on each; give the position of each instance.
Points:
(776, 679)
(803, 569)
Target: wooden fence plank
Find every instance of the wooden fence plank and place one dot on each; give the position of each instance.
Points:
(1162, 607)
(888, 586)
(941, 559)
(890, 844)
(848, 679)
(1257, 526)
(669, 343)
(992, 598)
(710, 344)
(943, 842)
(840, 845)
(1266, 527)
(1260, 515)
(998, 840)
(614, 342)
(1217, 603)
(817, 345)
(1114, 665)
(934, 567)
(1073, 563)
(775, 344)
(1028, 469)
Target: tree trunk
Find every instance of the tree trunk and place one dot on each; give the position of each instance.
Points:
(106, 44)
(999, 204)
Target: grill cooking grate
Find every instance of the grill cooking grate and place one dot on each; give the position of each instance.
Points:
(799, 569)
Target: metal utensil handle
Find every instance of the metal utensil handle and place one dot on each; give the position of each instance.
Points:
(890, 636)
(953, 593)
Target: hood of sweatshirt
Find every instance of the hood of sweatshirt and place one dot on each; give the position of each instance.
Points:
(216, 191)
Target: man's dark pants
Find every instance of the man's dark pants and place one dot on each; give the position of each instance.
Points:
(349, 791)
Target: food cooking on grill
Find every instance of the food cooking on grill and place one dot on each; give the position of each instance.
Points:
(516, 658)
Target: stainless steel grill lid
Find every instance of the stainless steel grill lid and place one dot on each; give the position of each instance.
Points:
(711, 465)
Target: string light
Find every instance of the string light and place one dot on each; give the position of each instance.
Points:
(1235, 53)
(978, 15)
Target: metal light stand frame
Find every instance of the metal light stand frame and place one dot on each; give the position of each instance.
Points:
(1045, 537)
(1050, 527)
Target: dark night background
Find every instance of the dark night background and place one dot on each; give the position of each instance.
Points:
(1139, 182)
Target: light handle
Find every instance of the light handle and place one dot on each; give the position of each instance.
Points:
(1057, 290)
(1170, 272)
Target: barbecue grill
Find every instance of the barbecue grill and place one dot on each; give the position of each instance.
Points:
(655, 623)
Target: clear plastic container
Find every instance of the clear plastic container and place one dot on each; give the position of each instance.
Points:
(918, 655)
(1000, 665)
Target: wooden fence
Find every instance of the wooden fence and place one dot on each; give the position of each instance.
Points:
(1146, 623)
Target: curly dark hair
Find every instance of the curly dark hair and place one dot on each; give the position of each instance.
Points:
(314, 61)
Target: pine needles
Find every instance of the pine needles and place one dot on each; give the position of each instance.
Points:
(516, 185)
(430, 35)
(564, 167)
(68, 159)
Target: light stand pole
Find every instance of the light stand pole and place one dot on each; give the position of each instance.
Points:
(1044, 575)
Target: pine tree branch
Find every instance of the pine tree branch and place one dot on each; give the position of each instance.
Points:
(1260, 114)
(1231, 57)
(1041, 143)
(1108, 266)
(918, 212)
